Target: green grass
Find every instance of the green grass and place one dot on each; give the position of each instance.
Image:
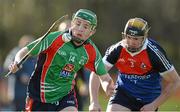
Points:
(172, 104)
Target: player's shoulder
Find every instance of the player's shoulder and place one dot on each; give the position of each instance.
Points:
(55, 34)
(51, 37)
(153, 42)
(116, 46)
(154, 46)
(89, 44)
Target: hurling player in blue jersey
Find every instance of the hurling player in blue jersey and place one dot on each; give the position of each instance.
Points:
(143, 66)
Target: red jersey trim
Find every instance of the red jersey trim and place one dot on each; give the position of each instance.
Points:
(92, 56)
(50, 52)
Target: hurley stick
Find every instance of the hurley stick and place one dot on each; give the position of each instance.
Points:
(57, 22)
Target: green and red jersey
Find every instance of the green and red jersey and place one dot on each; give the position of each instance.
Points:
(57, 64)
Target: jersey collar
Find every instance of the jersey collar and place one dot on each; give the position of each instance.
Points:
(123, 44)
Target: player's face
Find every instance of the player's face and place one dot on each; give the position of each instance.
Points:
(81, 29)
(134, 42)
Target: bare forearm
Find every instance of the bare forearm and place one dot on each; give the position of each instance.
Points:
(166, 93)
(105, 79)
(172, 83)
(107, 84)
(21, 54)
(94, 84)
(14, 67)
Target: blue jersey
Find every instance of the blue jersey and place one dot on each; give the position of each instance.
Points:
(139, 72)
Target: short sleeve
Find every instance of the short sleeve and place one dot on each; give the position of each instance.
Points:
(95, 62)
(159, 59)
(112, 54)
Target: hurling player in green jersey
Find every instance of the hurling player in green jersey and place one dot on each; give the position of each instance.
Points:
(60, 56)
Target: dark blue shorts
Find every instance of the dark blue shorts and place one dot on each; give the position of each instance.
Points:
(122, 97)
(66, 101)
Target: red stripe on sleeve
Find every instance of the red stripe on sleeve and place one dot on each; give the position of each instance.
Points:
(91, 52)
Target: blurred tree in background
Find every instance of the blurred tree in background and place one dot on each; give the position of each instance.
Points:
(19, 17)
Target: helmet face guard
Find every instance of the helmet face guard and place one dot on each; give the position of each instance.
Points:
(136, 28)
(88, 16)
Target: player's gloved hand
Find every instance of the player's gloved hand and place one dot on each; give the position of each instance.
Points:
(13, 67)
(94, 107)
